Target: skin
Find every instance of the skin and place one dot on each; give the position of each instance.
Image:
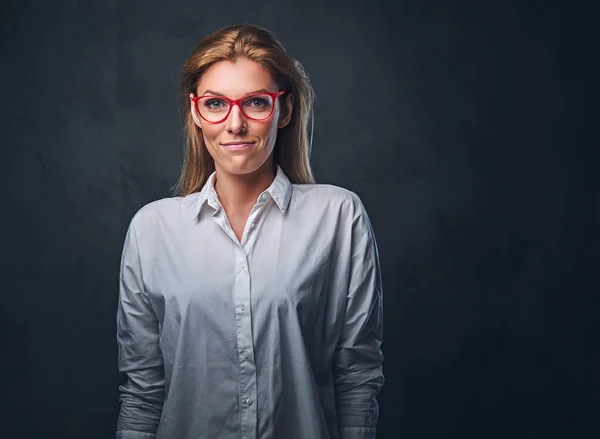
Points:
(241, 175)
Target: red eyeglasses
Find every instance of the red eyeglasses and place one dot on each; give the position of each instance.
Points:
(255, 106)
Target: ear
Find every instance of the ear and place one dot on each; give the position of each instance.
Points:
(285, 115)
(194, 113)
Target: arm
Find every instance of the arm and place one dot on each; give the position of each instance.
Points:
(142, 396)
(358, 357)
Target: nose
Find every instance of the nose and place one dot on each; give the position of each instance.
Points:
(236, 122)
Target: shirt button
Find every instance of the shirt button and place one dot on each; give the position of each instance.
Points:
(246, 355)
(242, 265)
(242, 307)
(249, 401)
(252, 225)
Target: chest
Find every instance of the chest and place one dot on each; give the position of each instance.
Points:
(203, 273)
(238, 223)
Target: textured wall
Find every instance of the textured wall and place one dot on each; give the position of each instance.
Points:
(455, 125)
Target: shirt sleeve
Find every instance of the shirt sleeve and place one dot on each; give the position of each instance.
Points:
(139, 356)
(358, 358)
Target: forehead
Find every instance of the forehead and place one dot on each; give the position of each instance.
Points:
(234, 79)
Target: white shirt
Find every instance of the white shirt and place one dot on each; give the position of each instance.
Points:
(276, 336)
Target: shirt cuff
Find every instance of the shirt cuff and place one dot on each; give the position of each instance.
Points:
(131, 434)
(357, 432)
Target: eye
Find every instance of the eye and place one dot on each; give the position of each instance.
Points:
(258, 102)
(214, 103)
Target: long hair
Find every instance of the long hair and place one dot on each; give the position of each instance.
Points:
(293, 144)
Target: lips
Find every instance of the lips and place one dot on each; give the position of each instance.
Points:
(237, 145)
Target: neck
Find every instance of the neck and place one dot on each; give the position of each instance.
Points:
(240, 192)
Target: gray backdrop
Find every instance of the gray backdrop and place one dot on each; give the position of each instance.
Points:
(460, 127)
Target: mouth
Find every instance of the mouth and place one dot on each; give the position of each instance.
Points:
(236, 146)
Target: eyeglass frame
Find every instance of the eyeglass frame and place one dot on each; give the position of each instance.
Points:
(232, 102)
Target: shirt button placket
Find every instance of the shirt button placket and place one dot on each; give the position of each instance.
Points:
(245, 344)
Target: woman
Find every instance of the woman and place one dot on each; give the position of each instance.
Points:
(250, 304)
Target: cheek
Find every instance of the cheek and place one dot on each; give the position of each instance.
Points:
(210, 134)
(210, 141)
(270, 133)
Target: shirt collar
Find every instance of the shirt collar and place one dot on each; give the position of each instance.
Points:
(280, 191)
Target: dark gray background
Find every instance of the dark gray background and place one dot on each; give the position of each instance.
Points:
(460, 127)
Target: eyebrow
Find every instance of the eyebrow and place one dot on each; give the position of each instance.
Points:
(211, 92)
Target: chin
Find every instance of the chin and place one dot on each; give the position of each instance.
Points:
(246, 166)
(242, 168)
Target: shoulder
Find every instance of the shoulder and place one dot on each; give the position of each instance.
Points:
(329, 195)
(154, 209)
(326, 193)
(164, 211)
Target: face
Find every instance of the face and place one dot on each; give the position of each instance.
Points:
(234, 80)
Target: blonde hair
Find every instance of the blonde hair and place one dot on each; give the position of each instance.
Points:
(293, 145)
